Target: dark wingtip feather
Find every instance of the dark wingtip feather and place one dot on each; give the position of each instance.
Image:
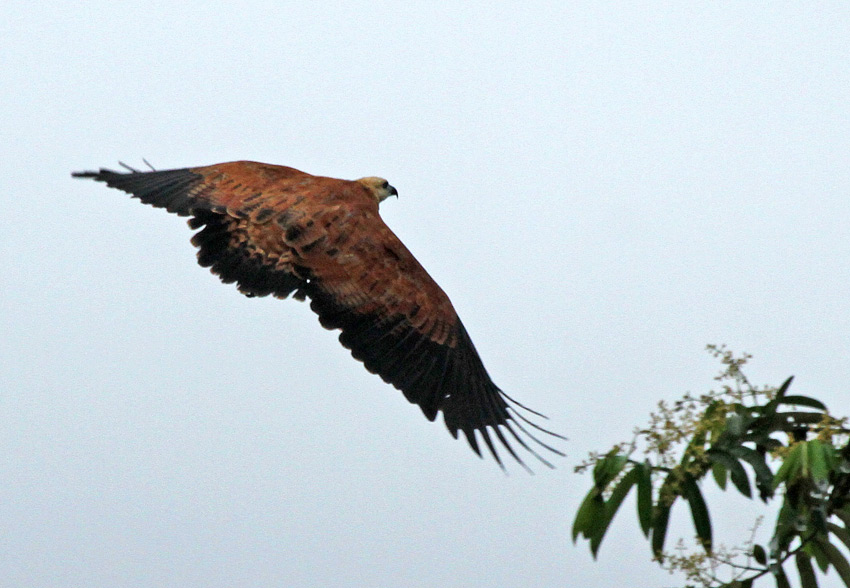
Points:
(510, 449)
(85, 174)
(513, 422)
(169, 189)
(486, 435)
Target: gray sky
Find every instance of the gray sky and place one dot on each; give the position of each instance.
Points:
(601, 189)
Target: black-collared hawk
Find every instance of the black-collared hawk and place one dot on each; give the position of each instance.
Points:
(276, 230)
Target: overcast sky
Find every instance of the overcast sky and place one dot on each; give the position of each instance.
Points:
(601, 188)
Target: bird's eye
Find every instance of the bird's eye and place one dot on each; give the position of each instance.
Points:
(385, 185)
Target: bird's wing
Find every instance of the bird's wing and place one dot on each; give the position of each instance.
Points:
(275, 230)
(402, 326)
(243, 209)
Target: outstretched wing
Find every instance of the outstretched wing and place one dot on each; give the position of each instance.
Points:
(276, 230)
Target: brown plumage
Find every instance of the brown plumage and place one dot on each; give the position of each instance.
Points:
(276, 230)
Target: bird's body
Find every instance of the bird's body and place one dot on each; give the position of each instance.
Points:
(276, 230)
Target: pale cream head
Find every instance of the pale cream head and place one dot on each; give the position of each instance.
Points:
(378, 187)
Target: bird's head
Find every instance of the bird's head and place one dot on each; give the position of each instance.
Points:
(378, 187)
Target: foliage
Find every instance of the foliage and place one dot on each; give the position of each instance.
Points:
(787, 447)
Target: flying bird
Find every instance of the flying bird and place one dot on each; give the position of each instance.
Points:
(276, 230)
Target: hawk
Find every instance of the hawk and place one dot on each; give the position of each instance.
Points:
(276, 230)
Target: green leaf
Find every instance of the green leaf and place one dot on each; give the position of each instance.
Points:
(699, 511)
(770, 407)
(804, 401)
(659, 528)
(644, 497)
(840, 532)
(785, 531)
(807, 572)
(780, 394)
(592, 507)
(736, 470)
(719, 472)
(818, 458)
(836, 559)
(788, 471)
(817, 521)
(740, 479)
(831, 454)
(611, 506)
(814, 549)
(805, 460)
(844, 515)
(781, 578)
(607, 469)
(759, 554)
(791, 420)
(764, 477)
